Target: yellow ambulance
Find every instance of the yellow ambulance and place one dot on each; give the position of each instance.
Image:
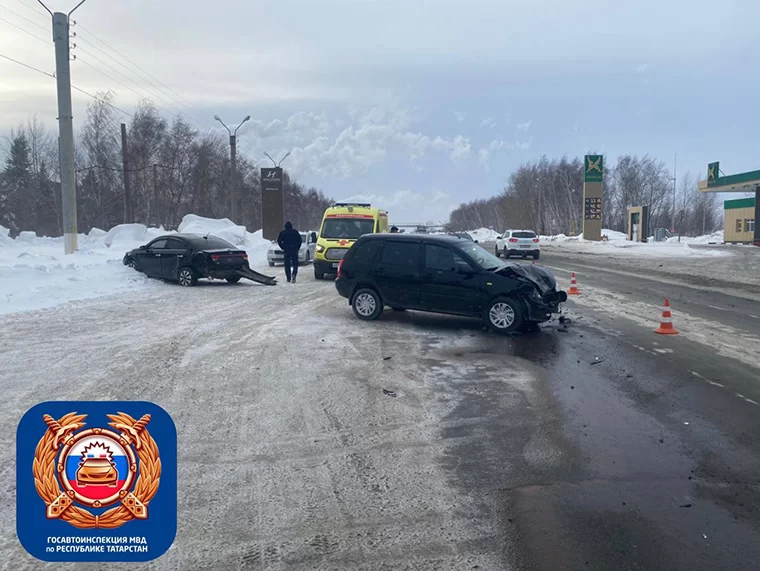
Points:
(343, 224)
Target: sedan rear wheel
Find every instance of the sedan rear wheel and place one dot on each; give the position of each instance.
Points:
(187, 277)
(503, 315)
(367, 304)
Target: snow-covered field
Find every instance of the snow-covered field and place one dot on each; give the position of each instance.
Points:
(35, 273)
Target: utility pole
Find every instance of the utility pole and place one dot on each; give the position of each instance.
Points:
(129, 213)
(156, 213)
(233, 167)
(65, 126)
(675, 164)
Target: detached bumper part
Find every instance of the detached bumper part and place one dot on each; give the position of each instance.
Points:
(249, 274)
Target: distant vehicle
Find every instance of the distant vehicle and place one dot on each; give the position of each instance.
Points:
(421, 230)
(185, 258)
(521, 243)
(343, 224)
(305, 254)
(463, 235)
(444, 274)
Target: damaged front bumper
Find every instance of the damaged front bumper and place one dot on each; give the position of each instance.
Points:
(541, 307)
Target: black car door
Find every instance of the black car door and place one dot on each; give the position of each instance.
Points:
(396, 272)
(449, 283)
(150, 261)
(173, 257)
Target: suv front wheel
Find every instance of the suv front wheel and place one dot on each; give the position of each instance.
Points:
(503, 315)
(366, 304)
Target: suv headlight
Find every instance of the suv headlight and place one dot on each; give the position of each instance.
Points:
(320, 248)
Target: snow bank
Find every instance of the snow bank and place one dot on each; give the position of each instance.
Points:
(129, 234)
(483, 234)
(36, 274)
(714, 238)
(617, 242)
(222, 227)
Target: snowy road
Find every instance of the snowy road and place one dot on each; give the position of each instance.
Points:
(496, 453)
(290, 453)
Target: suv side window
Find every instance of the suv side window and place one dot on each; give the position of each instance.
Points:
(366, 252)
(443, 259)
(400, 254)
(158, 244)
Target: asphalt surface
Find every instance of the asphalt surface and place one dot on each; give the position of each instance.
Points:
(311, 440)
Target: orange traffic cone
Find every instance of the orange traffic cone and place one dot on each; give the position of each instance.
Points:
(573, 287)
(666, 323)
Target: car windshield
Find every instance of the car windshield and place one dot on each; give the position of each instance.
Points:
(482, 258)
(351, 228)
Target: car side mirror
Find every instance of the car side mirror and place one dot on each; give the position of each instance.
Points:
(314, 237)
(475, 241)
(465, 271)
(497, 237)
(143, 247)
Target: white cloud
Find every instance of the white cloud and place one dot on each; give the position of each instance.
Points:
(524, 126)
(641, 68)
(460, 116)
(407, 206)
(486, 153)
(488, 122)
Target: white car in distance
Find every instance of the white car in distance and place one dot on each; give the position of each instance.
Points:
(521, 243)
(305, 254)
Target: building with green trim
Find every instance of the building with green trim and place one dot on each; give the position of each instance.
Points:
(739, 221)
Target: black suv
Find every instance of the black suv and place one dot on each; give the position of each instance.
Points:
(445, 274)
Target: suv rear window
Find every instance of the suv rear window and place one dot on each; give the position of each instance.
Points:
(523, 234)
(400, 253)
(365, 253)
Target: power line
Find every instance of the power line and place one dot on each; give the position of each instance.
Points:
(189, 111)
(80, 90)
(149, 94)
(166, 89)
(27, 66)
(25, 30)
(125, 77)
(32, 22)
(101, 100)
(32, 8)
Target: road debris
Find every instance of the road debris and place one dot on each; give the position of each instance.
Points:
(390, 393)
(386, 358)
(597, 361)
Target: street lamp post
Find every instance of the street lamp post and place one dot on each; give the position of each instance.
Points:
(233, 166)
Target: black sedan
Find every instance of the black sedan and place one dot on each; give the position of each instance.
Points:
(185, 258)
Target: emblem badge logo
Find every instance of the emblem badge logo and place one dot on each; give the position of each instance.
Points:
(97, 468)
(96, 481)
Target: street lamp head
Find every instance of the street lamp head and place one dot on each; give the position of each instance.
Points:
(217, 117)
(248, 118)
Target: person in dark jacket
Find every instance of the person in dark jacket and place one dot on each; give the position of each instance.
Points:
(289, 242)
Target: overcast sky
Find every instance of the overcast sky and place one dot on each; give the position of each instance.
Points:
(418, 105)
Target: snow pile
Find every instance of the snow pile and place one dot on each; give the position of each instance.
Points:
(484, 234)
(5, 236)
(714, 238)
(617, 242)
(125, 234)
(35, 273)
(223, 228)
(253, 243)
